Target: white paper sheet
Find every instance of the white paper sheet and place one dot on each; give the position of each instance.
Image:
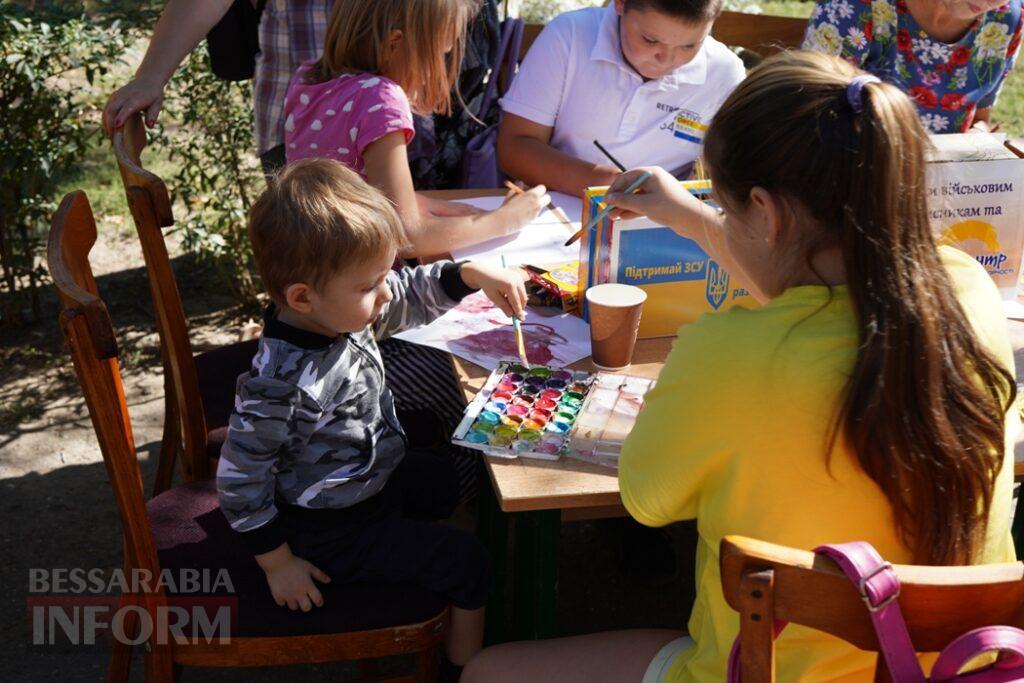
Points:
(541, 242)
(479, 332)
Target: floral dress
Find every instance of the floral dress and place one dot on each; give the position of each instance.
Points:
(949, 81)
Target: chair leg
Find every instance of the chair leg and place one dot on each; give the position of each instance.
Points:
(757, 624)
(160, 668)
(121, 656)
(170, 444)
(369, 669)
(426, 665)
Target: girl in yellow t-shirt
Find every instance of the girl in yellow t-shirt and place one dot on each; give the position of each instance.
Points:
(866, 400)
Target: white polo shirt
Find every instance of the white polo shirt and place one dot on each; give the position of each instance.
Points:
(575, 79)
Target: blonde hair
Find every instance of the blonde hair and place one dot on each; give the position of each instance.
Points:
(924, 407)
(316, 218)
(358, 39)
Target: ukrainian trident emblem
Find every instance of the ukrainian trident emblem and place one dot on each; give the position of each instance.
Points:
(717, 284)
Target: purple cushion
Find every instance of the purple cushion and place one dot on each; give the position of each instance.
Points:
(218, 372)
(191, 532)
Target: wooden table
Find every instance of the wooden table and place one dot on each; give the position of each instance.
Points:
(538, 495)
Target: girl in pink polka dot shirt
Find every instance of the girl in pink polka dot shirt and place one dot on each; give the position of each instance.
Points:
(383, 60)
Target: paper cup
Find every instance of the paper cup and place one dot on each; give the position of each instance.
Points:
(614, 319)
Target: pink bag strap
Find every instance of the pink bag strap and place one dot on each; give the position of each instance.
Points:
(879, 587)
(1005, 639)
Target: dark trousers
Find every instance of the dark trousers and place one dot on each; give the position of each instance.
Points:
(388, 537)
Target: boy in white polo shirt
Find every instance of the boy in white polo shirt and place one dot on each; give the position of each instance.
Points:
(643, 77)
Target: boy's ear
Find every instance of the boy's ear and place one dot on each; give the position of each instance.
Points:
(770, 212)
(620, 7)
(298, 297)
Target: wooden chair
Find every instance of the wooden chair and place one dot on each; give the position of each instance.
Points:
(199, 390)
(765, 582)
(759, 33)
(184, 528)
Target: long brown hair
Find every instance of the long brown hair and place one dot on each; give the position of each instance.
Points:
(924, 409)
(358, 40)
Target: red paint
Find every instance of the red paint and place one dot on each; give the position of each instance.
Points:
(501, 342)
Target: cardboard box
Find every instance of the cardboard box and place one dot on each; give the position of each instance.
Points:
(976, 202)
(681, 280)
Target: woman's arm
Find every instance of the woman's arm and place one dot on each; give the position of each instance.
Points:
(663, 199)
(387, 167)
(525, 152)
(179, 29)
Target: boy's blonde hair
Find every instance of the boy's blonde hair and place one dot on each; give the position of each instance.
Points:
(316, 218)
(358, 39)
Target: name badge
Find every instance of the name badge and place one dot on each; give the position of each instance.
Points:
(689, 127)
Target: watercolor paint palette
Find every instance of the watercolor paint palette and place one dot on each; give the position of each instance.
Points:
(545, 413)
(607, 417)
(525, 412)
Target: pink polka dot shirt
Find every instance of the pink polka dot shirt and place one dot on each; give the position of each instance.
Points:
(339, 118)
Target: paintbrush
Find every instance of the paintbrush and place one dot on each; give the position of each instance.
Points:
(610, 157)
(608, 209)
(520, 342)
(559, 214)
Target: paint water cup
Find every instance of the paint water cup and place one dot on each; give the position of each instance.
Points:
(614, 320)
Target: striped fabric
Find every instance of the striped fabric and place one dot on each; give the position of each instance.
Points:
(291, 32)
(420, 379)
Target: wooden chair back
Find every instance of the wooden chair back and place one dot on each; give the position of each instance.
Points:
(765, 582)
(86, 324)
(150, 206)
(761, 33)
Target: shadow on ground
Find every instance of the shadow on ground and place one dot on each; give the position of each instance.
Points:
(81, 529)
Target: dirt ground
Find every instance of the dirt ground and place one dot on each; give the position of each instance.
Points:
(59, 512)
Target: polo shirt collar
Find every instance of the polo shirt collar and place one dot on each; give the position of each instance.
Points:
(608, 48)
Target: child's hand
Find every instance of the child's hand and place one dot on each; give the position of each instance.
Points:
(520, 209)
(440, 208)
(504, 286)
(291, 579)
(662, 199)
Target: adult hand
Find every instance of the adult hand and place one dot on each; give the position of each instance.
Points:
(137, 95)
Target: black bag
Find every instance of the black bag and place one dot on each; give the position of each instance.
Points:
(234, 41)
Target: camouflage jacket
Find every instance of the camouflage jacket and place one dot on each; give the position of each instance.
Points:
(314, 424)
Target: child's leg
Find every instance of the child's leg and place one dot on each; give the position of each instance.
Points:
(465, 635)
(445, 560)
(615, 657)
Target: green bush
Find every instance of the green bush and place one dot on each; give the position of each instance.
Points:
(219, 175)
(44, 133)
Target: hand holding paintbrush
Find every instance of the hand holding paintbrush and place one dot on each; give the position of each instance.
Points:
(515, 188)
(603, 213)
(520, 341)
